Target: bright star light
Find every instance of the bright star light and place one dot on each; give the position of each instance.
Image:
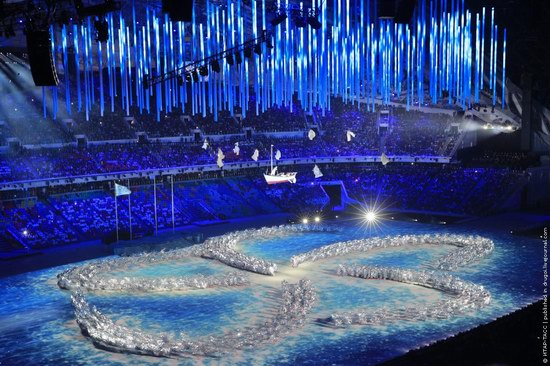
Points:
(370, 216)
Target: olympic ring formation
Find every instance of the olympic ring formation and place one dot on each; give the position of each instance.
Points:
(296, 299)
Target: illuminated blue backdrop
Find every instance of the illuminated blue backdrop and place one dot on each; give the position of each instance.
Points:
(446, 54)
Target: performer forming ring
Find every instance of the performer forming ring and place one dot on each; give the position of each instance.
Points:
(296, 300)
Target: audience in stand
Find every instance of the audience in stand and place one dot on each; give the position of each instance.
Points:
(277, 118)
(416, 131)
(64, 218)
(411, 133)
(74, 213)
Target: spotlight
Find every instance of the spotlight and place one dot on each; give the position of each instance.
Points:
(180, 80)
(229, 59)
(238, 57)
(195, 76)
(258, 49)
(215, 66)
(317, 219)
(25, 232)
(314, 22)
(203, 70)
(370, 216)
(279, 19)
(305, 221)
(188, 76)
(248, 52)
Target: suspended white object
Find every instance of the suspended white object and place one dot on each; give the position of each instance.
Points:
(205, 144)
(384, 159)
(273, 177)
(317, 172)
(350, 135)
(311, 134)
(278, 155)
(220, 154)
(256, 155)
(237, 149)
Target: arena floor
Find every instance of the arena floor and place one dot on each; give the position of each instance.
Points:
(37, 321)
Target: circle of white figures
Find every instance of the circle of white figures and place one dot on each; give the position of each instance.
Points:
(296, 299)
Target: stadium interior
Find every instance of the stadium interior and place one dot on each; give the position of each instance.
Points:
(146, 128)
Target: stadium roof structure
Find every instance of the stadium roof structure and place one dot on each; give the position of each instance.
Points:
(455, 57)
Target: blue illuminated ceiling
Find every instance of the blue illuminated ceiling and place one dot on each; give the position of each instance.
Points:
(344, 58)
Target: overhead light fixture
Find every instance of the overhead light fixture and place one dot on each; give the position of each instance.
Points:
(229, 59)
(180, 80)
(248, 52)
(203, 70)
(238, 57)
(258, 49)
(314, 22)
(279, 19)
(215, 66)
(268, 43)
(195, 75)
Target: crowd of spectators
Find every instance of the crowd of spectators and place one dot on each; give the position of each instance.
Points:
(225, 125)
(276, 118)
(409, 133)
(90, 214)
(63, 218)
(97, 158)
(425, 134)
(110, 126)
(345, 117)
(446, 188)
(37, 224)
(516, 159)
